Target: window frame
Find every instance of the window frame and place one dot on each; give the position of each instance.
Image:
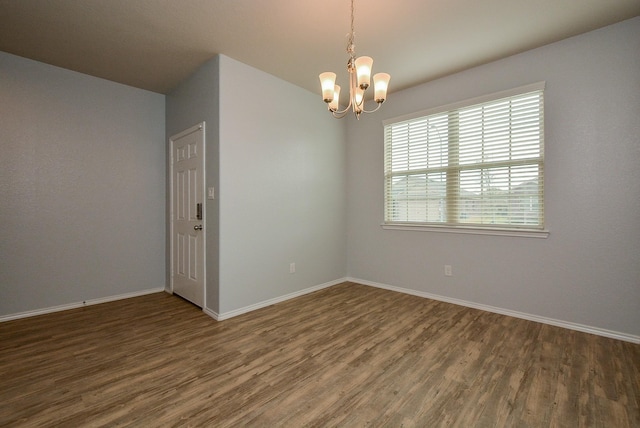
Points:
(466, 228)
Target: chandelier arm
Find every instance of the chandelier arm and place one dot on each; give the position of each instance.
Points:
(358, 107)
(341, 112)
(371, 111)
(339, 115)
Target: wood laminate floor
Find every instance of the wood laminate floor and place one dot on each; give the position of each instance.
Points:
(348, 356)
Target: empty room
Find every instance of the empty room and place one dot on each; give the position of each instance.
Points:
(337, 213)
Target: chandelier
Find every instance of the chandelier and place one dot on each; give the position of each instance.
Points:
(359, 81)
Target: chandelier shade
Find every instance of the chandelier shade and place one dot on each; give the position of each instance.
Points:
(380, 84)
(364, 64)
(359, 69)
(335, 103)
(328, 82)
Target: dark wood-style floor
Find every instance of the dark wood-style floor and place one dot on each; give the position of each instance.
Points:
(349, 356)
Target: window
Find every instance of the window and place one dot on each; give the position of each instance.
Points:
(473, 165)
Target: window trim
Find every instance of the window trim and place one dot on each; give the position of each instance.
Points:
(538, 86)
(466, 228)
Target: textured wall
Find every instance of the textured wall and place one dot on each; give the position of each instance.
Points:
(282, 188)
(588, 270)
(81, 187)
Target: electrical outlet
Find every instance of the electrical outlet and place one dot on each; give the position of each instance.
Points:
(292, 268)
(448, 270)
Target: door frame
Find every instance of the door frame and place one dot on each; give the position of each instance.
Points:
(172, 139)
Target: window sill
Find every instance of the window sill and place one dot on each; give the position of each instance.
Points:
(522, 233)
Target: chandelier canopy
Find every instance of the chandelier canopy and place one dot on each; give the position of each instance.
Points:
(359, 81)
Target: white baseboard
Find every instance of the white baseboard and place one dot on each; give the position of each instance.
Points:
(226, 315)
(265, 303)
(544, 320)
(211, 313)
(76, 305)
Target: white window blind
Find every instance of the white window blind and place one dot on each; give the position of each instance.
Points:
(475, 164)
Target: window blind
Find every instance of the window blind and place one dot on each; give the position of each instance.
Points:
(478, 164)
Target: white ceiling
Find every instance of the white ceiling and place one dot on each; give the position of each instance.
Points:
(154, 44)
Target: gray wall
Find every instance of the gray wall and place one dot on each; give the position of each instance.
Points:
(82, 187)
(588, 270)
(196, 100)
(282, 188)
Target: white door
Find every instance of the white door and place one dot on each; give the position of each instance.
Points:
(187, 214)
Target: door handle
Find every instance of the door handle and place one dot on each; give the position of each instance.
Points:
(197, 227)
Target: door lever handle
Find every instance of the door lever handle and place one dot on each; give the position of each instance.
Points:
(197, 227)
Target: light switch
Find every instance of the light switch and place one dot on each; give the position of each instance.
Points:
(212, 193)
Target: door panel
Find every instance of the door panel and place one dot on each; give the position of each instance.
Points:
(187, 230)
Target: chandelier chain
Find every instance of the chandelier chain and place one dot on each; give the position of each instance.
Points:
(351, 47)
